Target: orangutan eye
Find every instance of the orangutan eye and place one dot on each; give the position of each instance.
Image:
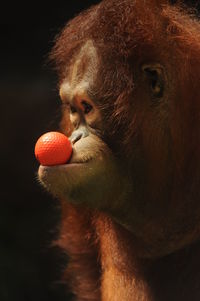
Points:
(72, 109)
(87, 108)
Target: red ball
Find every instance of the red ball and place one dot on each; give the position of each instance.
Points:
(53, 148)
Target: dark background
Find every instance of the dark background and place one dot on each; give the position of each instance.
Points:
(29, 106)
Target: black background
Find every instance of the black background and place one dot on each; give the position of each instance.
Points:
(29, 106)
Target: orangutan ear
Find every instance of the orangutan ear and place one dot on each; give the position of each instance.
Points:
(155, 76)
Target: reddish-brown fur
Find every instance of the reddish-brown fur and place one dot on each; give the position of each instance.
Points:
(93, 242)
(105, 260)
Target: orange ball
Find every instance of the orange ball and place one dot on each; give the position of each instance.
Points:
(53, 148)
